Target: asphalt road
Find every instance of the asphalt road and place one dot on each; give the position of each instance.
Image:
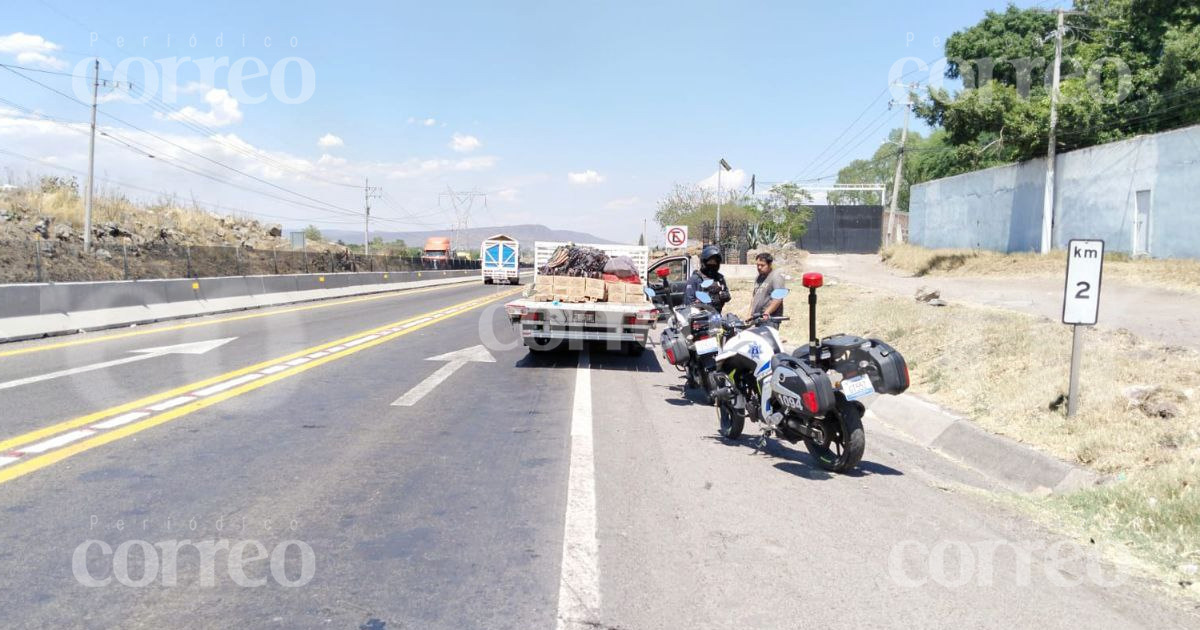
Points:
(530, 492)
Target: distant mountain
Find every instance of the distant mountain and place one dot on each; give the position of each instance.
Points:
(471, 238)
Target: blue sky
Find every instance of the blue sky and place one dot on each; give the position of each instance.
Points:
(508, 98)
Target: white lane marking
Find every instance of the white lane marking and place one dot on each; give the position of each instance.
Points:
(361, 340)
(199, 347)
(317, 355)
(274, 369)
(300, 361)
(230, 384)
(4, 461)
(579, 582)
(337, 348)
(66, 438)
(121, 419)
(169, 404)
(419, 321)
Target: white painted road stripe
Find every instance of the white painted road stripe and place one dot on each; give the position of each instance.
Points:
(121, 419)
(300, 361)
(170, 404)
(66, 438)
(230, 384)
(361, 340)
(8, 460)
(579, 582)
(274, 369)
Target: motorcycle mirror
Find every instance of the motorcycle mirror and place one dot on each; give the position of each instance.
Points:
(704, 297)
(779, 294)
(706, 283)
(649, 292)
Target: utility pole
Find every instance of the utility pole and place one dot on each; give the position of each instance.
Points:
(1048, 196)
(87, 198)
(368, 193)
(890, 237)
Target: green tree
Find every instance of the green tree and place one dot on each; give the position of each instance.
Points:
(693, 205)
(311, 233)
(1129, 67)
(784, 213)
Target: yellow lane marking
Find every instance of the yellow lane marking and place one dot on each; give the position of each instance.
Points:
(8, 444)
(26, 466)
(211, 322)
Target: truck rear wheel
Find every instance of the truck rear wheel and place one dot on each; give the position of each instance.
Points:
(487, 280)
(634, 348)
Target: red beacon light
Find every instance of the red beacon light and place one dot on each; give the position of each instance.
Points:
(813, 280)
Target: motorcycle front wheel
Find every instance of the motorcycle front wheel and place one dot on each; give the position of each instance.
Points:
(844, 439)
(730, 419)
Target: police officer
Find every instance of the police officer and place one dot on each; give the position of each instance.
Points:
(710, 269)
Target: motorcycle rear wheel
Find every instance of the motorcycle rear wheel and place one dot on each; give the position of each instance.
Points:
(845, 441)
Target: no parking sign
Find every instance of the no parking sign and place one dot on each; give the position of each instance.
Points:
(677, 235)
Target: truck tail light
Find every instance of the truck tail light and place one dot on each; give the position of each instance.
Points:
(533, 316)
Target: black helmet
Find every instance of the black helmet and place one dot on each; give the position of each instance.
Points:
(709, 251)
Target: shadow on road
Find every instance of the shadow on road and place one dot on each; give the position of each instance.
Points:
(600, 359)
(800, 463)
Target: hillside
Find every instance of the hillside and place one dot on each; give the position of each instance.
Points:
(471, 238)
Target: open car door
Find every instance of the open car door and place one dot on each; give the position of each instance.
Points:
(669, 276)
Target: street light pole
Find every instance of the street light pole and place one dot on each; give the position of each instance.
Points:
(721, 165)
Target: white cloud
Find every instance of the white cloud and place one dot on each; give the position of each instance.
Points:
(329, 160)
(40, 60)
(729, 180)
(509, 194)
(464, 143)
(424, 122)
(623, 203)
(328, 141)
(586, 177)
(32, 50)
(193, 87)
(425, 168)
(429, 122)
(223, 110)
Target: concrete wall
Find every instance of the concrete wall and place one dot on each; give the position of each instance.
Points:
(35, 310)
(1096, 197)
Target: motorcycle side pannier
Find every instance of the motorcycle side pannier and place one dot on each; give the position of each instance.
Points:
(799, 385)
(674, 347)
(854, 355)
(891, 370)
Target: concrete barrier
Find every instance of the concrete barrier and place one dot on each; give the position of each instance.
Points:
(39, 310)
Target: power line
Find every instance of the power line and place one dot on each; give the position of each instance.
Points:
(187, 150)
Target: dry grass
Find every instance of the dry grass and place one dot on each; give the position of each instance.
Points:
(1008, 372)
(1171, 273)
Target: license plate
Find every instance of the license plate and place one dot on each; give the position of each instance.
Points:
(857, 387)
(706, 346)
(583, 318)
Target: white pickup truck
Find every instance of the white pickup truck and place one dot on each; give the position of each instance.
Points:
(547, 325)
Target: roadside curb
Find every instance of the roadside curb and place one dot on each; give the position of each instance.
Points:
(1013, 464)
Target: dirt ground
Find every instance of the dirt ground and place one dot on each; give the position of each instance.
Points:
(1153, 313)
